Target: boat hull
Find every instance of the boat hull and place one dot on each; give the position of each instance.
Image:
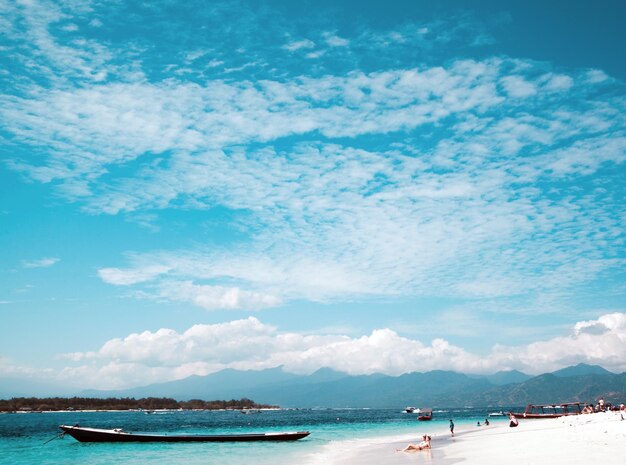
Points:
(105, 435)
(543, 415)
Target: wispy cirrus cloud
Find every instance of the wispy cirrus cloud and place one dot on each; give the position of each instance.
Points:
(40, 263)
(182, 116)
(457, 179)
(45, 44)
(211, 297)
(470, 157)
(128, 277)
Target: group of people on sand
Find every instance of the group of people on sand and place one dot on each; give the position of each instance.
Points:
(425, 444)
(602, 406)
(513, 423)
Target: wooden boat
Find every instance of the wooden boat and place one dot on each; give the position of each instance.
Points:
(551, 410)
(83, 434)
(425, 414)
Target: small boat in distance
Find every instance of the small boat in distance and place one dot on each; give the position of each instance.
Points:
(411, 410)
(551, 410)
(425, 414)
(497, 414)
(83, 434)
(250, 411)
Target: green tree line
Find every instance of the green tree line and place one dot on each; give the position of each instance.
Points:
(16, 404)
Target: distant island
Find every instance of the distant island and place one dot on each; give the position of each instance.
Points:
(53, 404)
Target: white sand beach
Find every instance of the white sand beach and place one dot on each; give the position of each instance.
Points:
(584, 439)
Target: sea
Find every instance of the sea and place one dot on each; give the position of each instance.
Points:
(33, 439)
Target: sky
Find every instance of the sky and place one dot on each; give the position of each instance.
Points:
(373, 187)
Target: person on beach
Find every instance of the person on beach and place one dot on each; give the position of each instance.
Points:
(451, 427)
(486, 421)
(513, 421)
(425, 444)
(478, 423)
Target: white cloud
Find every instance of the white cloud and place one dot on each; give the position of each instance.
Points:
(596, 76)
(606, 347)
(299, 45)
(335, 41)
(40, 263)
(518, 87)
(315, 54)
(194, 55)
(70, 28)
(559, 83)
(215, 297)
(133, 276)
(609, 323)
(250, 344)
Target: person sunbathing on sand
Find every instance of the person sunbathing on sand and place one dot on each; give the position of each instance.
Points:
(425, 444)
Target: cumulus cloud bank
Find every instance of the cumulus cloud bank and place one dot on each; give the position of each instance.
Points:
(249, 344)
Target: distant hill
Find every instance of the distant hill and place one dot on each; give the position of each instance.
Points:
(324, 388)
(580, 370)
(550, 388)
(330, 388)
(224, 384)
(506, 377)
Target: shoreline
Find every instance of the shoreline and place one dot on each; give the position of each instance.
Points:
(570, 440)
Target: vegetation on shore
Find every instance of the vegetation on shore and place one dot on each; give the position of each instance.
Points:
(17, 404)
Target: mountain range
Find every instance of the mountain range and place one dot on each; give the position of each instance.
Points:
(329, 388)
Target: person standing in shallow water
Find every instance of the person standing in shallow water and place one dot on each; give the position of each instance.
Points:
(451, 427)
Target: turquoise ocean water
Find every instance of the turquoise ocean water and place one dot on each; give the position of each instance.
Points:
(22, 435)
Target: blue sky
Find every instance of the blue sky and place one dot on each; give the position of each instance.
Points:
(191, 186)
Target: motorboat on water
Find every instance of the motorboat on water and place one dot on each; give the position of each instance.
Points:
(425, 414)
(250, 411)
